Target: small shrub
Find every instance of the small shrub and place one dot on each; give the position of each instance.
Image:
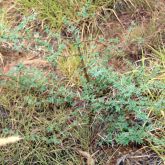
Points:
(55, 118)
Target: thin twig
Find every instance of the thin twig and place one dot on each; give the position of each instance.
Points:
(83, 65)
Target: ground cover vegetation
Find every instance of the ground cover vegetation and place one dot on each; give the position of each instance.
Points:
(83, 82)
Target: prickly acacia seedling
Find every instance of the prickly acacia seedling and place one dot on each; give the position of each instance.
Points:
(59, 118)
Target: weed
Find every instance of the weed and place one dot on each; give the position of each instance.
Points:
(63, 117)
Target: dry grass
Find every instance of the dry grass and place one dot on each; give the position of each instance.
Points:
(9, 140)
